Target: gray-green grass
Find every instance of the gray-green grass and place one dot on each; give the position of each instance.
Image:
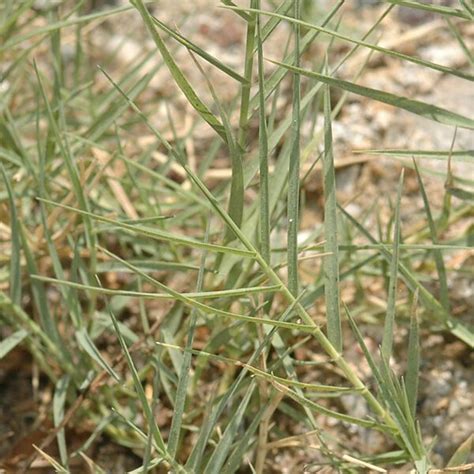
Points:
(203, 375)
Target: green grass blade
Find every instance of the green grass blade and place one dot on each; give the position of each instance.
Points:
(413, 364)
(457, 155)
(115, 109)
(242, 14)
(169, 183)
(469, 8)
(11, 139)
(84, 341)
(460, 193)
(183, 382)
(98, 430)
(360, 340)
(394, 393)
(154, 233)
(211, 414)
(60, 140)
(458, 35)
(234, 461)
(438, 256)
(463, 332)
(15, 263)
(380, 49)
(245, 88)
(423, 109)
(160, 444)
(389, 325)
(209, 309)
(331, 262)
(176, 72)
(216, 461)
(429, 7)
(72, 303)
(463, 452)
(59, 402)
(275, 79)
(11, 18)
(16, 317)
(10, 342)
(383, 245)
(236, 198)
(55, 26)
(312, 387)
(39, 294)
(232, 293)
(264, 224)
(318, 408)
(199, 51)
(294, 167)
(443, 175)
(272, 23)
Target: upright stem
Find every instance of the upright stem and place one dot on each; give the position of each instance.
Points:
(294, 170)
(248, 70)
(264, 226)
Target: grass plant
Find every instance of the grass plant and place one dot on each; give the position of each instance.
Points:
(167, 312)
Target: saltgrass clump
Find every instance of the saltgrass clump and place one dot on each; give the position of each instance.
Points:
(169, 313)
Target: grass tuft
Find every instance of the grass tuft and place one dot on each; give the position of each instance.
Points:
(177, 246)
